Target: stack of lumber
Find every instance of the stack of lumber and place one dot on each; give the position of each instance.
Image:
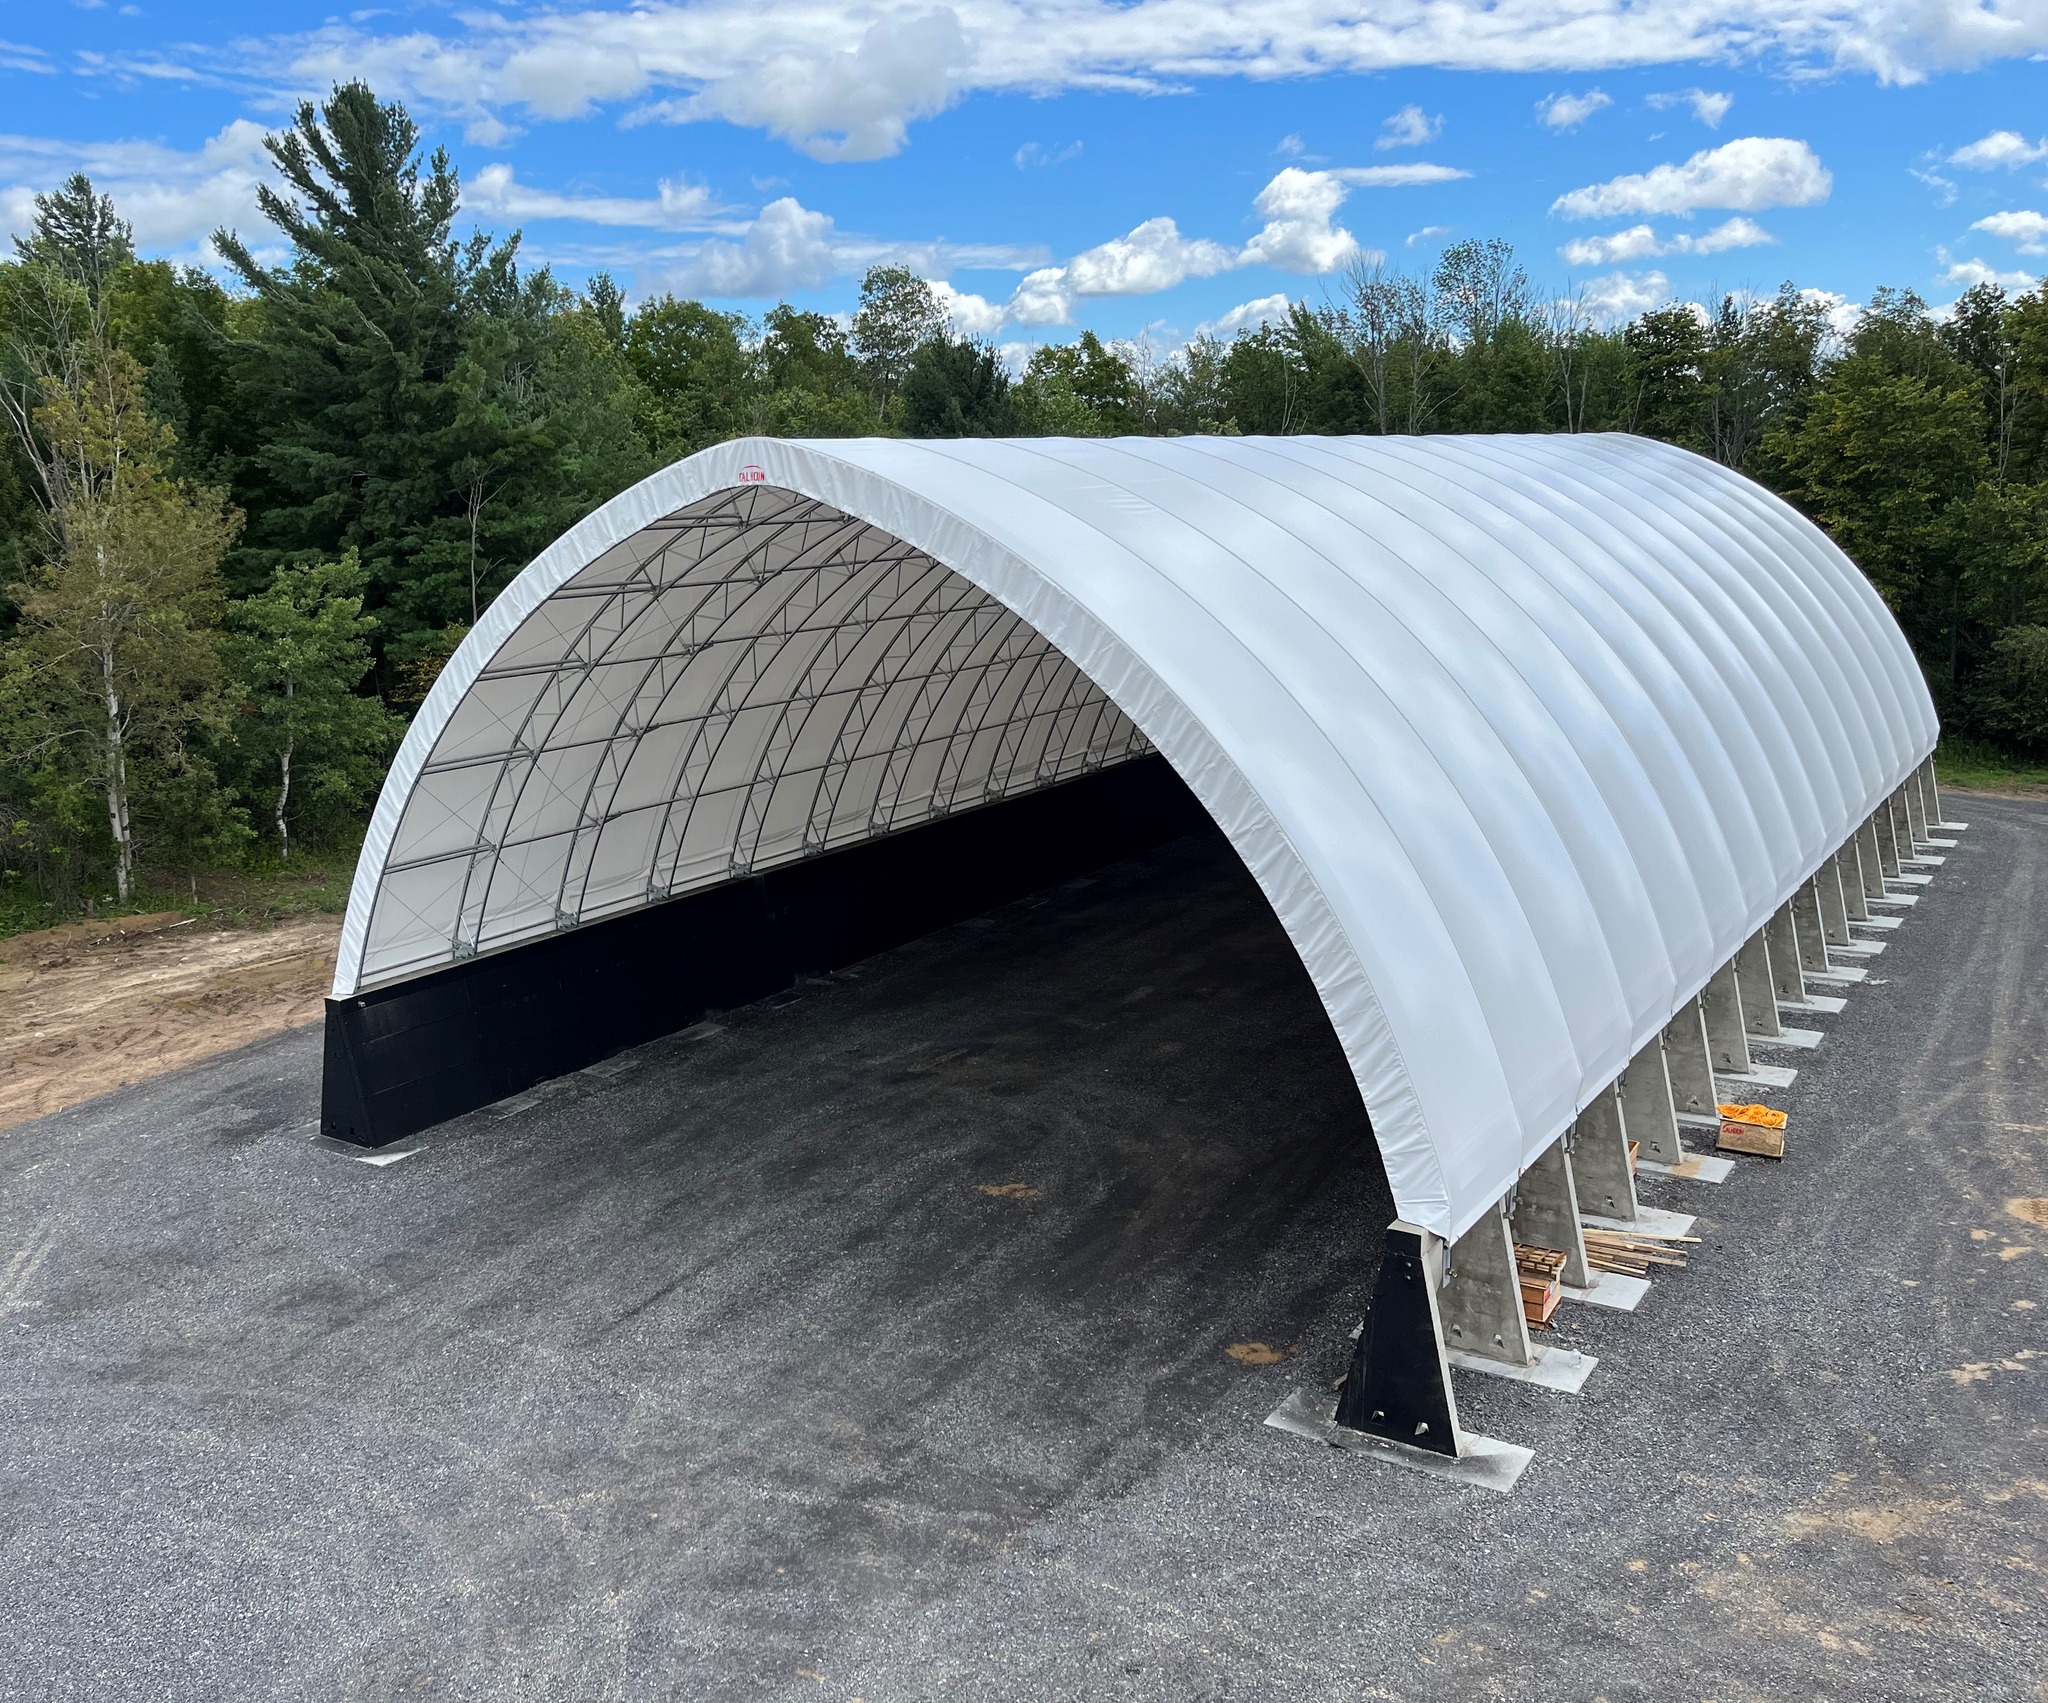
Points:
(1540, 1272)
(1632, 1252)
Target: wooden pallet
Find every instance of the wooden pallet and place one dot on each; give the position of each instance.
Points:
(1540, 1271)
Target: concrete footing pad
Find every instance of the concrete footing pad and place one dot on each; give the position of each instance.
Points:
(1761, 1076)
(1818, 1004)
(1486, 1461)
(1611, 1289)
(1700, 1168)
(1879, 922)
(1949, 827)
(1838, 973)
(1651, 1221)
(1563, 1369)
(1806, 1038)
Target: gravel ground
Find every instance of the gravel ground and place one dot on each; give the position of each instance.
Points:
(877, 1345)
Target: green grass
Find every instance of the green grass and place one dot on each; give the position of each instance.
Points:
(258, 894)
(1973, 763)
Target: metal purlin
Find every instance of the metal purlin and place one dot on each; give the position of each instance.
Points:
(891, 578)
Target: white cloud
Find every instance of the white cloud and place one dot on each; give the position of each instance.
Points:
(174, 199)
(1298, 235)
(1641, 242)
(17, 211)
(1409, 128)
(487, 130)
(2002, 150)
(1426, 233)
(1246, 316)
(18, 56)
(1965, 274)
(1568, 112)
(1290, 147)
(856, 103)
(1620, 296)
(1038, 154)
(968, 314)
(846, 81)
(1153, 257)
(1944, 188)
(1042, 298)
(676, 206)
(1016, 357)
(787, 248)
(1729, 233)
(1398, 177)
(1842, 313)
(1744, 176)
(1709, 106)
(1638, 242)
(2028, 230)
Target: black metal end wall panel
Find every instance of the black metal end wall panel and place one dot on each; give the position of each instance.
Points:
(404, 1057)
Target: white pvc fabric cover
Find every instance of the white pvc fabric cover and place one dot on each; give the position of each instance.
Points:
(1522, 737)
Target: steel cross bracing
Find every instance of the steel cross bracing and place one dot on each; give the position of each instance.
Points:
(803, 680)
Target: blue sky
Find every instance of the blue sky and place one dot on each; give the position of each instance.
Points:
(1132, 166)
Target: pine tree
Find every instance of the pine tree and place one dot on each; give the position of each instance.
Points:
(415, 397)
(347, 368)
(76, 234)
(955, 390)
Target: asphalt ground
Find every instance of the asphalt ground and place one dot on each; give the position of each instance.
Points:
(723, 1374)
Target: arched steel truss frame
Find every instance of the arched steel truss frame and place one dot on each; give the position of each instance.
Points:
(799, 681)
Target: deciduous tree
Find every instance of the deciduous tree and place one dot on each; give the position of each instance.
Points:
(119, 622)
(306, 744)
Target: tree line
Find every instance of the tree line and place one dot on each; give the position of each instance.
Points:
(243, 523)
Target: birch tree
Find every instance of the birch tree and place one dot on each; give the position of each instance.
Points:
(119, 621)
